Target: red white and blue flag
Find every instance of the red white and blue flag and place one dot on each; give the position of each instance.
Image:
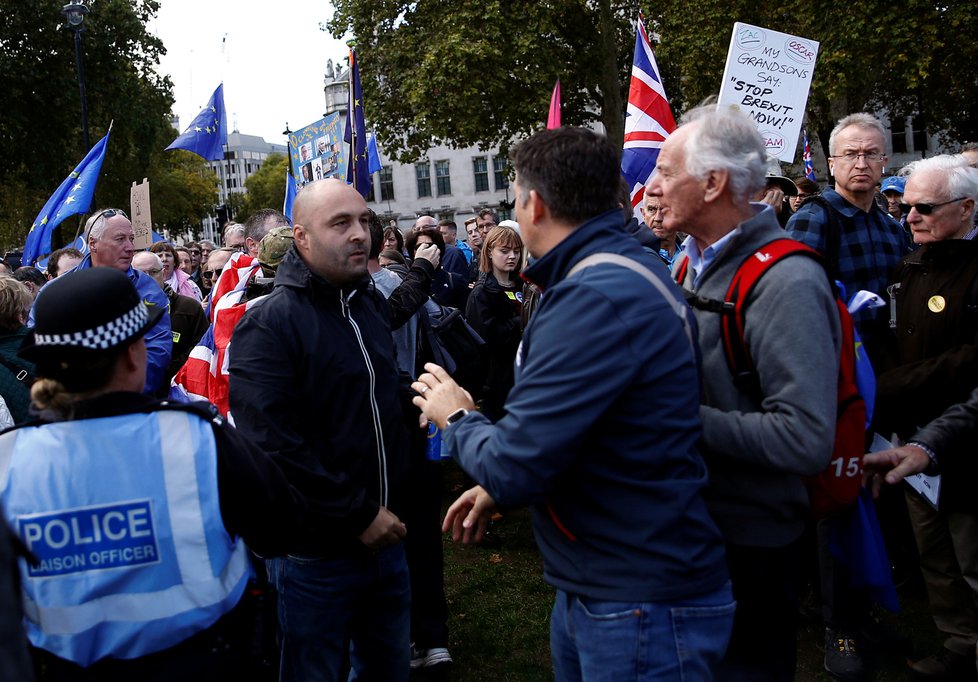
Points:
(807, 157)
(648, 118)
(204, 376)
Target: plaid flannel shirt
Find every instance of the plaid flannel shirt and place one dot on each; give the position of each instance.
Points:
(870, 247)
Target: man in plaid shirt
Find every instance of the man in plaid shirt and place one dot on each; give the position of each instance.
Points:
(861, 243)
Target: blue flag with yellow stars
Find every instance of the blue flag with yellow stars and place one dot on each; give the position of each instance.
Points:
(74, 195)
(208, 133)
(357, 168)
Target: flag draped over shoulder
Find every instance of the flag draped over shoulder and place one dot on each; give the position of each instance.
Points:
(648, 118)
(205, 376)
(807, 157)
(74, 195)
(358, 168)
(553, 116)
(208, 133)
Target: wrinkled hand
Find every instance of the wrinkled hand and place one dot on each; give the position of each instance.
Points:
(428, 252)
(469, 515)
(895, 463)
(385, 530)
(439, 395)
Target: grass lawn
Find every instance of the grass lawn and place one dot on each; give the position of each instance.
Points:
(499, 610)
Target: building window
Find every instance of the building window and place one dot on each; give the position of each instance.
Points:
(423, 170)
(371, 197)
(504, 214)
(481, 171)
(898, 135)
(919, 135)
(443, 179)
(500, 173)
(446, 215)
(387, 183)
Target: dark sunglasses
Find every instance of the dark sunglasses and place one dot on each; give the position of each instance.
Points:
(927, 209)
(208, 274)
(111, 213)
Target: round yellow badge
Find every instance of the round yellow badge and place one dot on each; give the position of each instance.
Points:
(936, 304)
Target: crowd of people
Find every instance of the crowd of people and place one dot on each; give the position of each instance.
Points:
(213, 442)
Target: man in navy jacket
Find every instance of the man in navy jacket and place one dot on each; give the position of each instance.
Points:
(599, 433)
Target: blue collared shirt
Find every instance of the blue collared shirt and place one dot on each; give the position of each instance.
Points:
(700, 260)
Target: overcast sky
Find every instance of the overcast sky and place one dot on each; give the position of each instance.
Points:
(270, 56)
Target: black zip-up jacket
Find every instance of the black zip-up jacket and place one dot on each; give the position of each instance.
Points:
(313, 382)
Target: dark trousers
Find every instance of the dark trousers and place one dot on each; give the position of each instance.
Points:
(423, 544)
(763, 645)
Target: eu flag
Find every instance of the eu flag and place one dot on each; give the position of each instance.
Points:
(357, 169)
(373, 154)
(290, 192)
(208, 133)
(74, 195)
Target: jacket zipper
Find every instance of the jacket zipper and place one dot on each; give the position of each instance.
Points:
(374, 409)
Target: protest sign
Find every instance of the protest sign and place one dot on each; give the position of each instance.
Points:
(142, 220)
(318, 151)
(768, 75)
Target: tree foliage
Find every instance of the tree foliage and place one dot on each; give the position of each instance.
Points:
(467, 72)
(480, 73)
(40, 130)
(916, 57)
(266, 187)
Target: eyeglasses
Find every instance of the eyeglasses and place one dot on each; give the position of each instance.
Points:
(111, 213)
(801, 196)
(153, 271)
(927, 209)
(195, 252)
(209, 274)
(852, 157)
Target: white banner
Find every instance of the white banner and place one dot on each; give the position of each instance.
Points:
(768, 75)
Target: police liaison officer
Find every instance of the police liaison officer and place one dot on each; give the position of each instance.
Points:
(132, 508)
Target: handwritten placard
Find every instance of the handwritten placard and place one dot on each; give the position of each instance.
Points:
(142, 220)
(768, 75)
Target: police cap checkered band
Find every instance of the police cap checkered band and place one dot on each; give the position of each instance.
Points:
(104, 336)
(89, 311)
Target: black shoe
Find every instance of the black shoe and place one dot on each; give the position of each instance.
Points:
(945, 665)
(842, 659)
(883, 637)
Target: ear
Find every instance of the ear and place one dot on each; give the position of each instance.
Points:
(538, 208)
(715, 185)
(300, 236)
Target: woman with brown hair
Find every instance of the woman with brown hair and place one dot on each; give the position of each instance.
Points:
(494, 310)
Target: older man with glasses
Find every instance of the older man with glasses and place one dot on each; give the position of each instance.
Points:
(935, 367)
(109, 236)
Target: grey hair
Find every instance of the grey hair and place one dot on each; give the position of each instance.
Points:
(959, 178)
(233, 228)
(861, 120)
(95, 225)
(726, 139)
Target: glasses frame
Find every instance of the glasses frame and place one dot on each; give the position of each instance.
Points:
(869, 157)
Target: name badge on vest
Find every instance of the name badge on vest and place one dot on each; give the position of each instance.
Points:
(936, 304)
(119, 535)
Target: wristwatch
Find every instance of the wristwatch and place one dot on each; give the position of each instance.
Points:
(455, 416)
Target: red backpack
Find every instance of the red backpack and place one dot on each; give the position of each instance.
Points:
(836, 488)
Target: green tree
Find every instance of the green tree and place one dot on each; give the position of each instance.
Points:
(481, 73)
(183, 190)
(916, 57)
(40, 131)
(266, 187)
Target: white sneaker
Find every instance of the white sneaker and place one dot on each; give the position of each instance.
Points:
(426, 658)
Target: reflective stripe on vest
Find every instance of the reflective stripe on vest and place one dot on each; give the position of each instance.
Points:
(125, 516)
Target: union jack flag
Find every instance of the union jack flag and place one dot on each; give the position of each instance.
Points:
(807, 157)
(204, 376)
(648, 118)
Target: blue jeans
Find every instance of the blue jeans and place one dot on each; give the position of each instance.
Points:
(603, 640)
(331, 609)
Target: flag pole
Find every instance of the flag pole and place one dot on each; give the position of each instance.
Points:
(351, 112)
(94, 204)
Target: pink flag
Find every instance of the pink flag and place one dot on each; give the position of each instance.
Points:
(553, 118)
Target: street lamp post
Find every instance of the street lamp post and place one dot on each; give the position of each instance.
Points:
(75, 13)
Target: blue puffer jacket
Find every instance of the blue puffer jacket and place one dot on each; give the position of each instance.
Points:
(601, 429)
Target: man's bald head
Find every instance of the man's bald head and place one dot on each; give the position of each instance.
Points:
(331, 230)
(150, 263)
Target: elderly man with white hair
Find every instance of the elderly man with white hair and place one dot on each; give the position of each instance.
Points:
(935, 320)
(760, 437)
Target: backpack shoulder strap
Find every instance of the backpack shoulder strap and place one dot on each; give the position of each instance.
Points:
(833, 234)
(678, 307)
(741, 285)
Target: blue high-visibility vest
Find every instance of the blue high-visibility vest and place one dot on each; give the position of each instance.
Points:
(123, 514)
